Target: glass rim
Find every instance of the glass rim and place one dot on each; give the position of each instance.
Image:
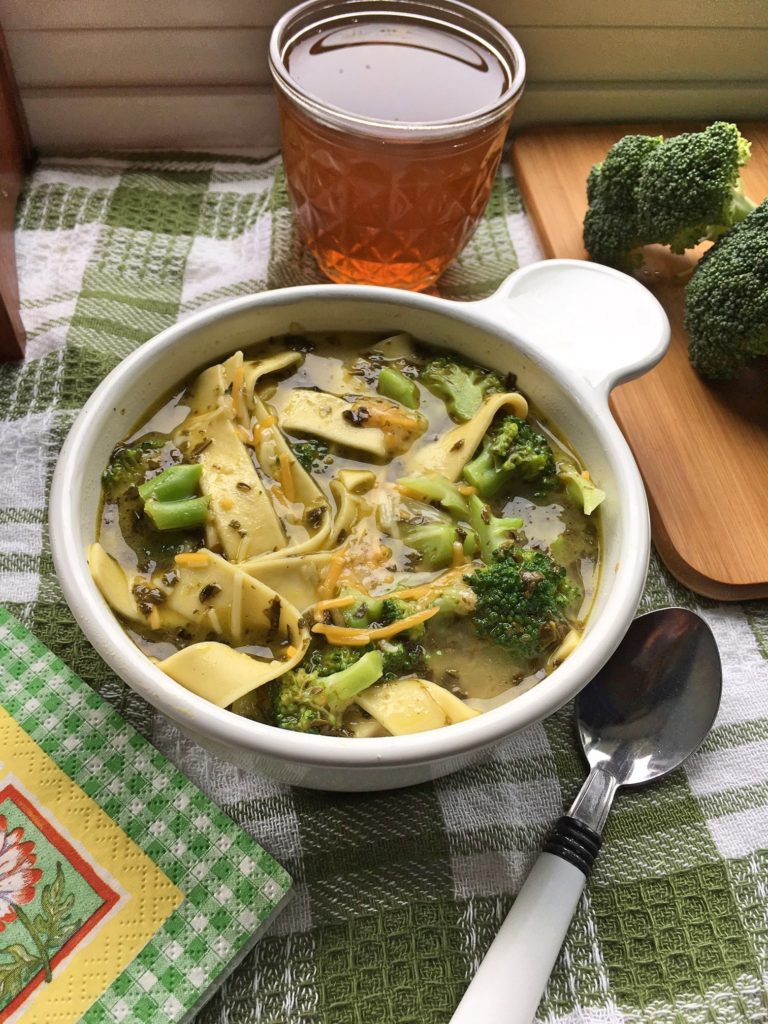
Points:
(440, 12)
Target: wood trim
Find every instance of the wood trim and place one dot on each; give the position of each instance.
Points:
(15, 157)
(64, 14)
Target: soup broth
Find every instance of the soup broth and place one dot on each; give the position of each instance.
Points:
(268, 528)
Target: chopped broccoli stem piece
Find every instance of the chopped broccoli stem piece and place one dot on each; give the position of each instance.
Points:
(173, 483)
(522, 597)
(305, 701)
(726, 300)
(186, 514)
(395, 385)
(311, 453)
(461, 387)
(433, 542)
(511, 450)
(493, 532)
(580, 489)
(437, 488)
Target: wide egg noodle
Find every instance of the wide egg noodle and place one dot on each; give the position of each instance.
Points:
(219, 673)
(114, 584)
(450, 453)
(255, 369)
(275, 458)
(243, 611)
(406, 706)
(240, 508)
(322, 415)
(298, 578)
(349, 488)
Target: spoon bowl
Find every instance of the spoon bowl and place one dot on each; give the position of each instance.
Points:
(653, 703)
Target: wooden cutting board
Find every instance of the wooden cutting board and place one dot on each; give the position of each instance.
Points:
(702, 448)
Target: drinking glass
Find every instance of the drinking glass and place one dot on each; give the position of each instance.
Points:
(393, 115)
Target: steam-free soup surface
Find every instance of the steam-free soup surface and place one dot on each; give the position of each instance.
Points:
(329, 474)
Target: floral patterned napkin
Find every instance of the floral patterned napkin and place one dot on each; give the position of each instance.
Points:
(125, 894)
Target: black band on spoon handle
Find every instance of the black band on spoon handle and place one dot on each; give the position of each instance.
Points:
(575, 842)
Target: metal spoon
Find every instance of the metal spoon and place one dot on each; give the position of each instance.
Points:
(650, 706)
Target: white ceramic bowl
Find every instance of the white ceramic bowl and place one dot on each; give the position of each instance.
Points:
(570, 330)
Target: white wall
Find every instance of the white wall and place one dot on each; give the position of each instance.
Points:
(193, 73)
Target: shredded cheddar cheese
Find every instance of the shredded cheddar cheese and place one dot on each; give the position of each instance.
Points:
(267, 422)
(192, 559)
(348, 635)
(243, 434)
(286, 477)
(335, 567)
(466, 489)
(226, 503)
(407, 492)
(291, 651)
(335, 602)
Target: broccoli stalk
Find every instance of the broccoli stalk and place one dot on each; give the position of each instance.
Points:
(436, 488)
(305, 701)
(726, 300)
(461, 387)
(677, 192)
(511, 450)
(522, 597)
(169, 499)
(185, 514)
(428, 531)
(493, 532)
(580, 488)
(173, 484)
(395, 385)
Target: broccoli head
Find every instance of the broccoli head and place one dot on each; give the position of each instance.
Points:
(726, 300)
(691, 188)
(674, 192)
(522, 597)
(129, 464)
(611, 229)
(511, 450)
(461, 387)
(311, 453)
(401, 656)
(305, 701)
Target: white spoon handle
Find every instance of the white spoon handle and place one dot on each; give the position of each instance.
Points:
(509, 983)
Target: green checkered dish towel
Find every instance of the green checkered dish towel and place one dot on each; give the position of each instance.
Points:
(397, 894)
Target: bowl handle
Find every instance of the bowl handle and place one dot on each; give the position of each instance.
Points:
(603, 324)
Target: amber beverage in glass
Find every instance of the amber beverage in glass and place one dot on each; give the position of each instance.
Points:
(393, 116)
